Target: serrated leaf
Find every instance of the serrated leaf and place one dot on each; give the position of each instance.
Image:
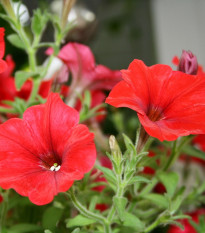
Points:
(157, 199)
(170, 181)
(120, 204)
(138, 179)
(79, 221)
(131, 220)
(24, 227)
(15, 40)
(51, 217)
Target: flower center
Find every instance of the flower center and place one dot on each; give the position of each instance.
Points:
(55, 167)
(50, 162)
(154, 114)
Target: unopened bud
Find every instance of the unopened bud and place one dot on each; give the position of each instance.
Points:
(188, 63)
(115, 149)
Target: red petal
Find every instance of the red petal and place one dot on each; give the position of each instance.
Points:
(80, 153)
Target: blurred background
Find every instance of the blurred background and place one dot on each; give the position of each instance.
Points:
(120, 30)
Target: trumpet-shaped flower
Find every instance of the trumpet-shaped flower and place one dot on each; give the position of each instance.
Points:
(43, 153)
(169, 103)
(85, 73)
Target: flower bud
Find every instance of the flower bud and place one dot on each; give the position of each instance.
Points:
(188, 63)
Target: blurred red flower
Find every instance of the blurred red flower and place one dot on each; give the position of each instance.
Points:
(43, 153)
(8, 89)
(3, 64)
(187, 226)
(85, 73)
(169, 103)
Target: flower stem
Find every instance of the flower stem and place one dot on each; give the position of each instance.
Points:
(85, 212)
(4, 210)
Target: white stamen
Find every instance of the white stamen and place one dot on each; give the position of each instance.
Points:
(55, 167)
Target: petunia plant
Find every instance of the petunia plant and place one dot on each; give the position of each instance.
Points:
(84, 148)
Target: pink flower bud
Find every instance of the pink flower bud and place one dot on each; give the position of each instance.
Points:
(188, 63)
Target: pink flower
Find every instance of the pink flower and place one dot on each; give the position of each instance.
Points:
(85, 73)
(43, 153)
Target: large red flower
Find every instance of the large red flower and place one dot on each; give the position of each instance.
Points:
(3, 64)
(43, 153)
(169, 103)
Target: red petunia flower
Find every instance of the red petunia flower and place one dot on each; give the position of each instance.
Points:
(169, 103)
(43, 153)
(3, 64)
(187, 226)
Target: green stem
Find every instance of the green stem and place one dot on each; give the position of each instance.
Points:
(34, 92)
(4, 209)
(172, 157)
(120, 191)
(152, 226)
(85, 212)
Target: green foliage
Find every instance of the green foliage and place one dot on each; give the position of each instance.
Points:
(39, 21)
(15, 40)
(79, 221)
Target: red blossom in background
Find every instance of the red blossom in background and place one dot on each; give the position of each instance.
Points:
(169, 103)
(8, 89)
(85, 73)
(45, 152)
(3, 64)
(187, 226)
(1, 198)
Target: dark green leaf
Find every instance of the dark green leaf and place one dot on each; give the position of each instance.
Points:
(51, 217)
(24, 227)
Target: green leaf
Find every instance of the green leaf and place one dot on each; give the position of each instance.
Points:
(175, 204)
(39, 21)
(108, 173)
(51, 217)
(47, 231)
(15, 40)
(170, 181)
(21, 77)
(24, 227)
(131, 220)
(194, 152)
(138, 179)
(79, 221)
(157, 199)
(77, 230)
(120, 204)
